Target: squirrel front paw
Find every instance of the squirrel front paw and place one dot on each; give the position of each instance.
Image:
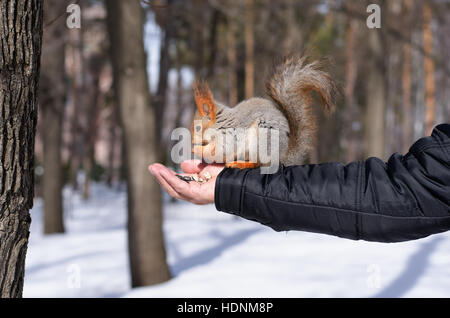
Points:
(241, 165)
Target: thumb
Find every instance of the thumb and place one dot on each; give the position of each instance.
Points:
(192, 166)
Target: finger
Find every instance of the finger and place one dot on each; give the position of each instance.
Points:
(181, 187)
(192, 166)
(167, 187)
(156, 173)
(169, 176)
(213, 169)
(159, 166)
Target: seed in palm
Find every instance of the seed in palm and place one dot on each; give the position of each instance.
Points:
(207, 175)
(195, 177)
(185, 178)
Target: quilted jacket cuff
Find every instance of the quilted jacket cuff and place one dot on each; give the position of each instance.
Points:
(229, 190)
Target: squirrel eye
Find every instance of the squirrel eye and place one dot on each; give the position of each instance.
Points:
(198, 128)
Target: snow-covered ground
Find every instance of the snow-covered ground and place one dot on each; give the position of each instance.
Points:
(212, 254)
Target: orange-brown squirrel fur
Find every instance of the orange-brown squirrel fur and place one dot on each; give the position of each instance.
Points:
(288, 110)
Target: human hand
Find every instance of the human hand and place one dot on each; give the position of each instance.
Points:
(192, 192)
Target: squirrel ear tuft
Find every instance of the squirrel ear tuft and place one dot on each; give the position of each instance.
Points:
(204, 100)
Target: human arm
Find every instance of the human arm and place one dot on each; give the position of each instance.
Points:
(406, 198)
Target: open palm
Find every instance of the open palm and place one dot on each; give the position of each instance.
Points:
(193, 192)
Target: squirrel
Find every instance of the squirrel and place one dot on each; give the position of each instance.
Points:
(288, 110)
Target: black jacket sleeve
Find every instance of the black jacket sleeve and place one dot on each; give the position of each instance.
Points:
(406, 198)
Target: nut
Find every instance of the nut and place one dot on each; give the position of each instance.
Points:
(184, 178)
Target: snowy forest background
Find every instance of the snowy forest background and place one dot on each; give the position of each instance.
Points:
(101, 227)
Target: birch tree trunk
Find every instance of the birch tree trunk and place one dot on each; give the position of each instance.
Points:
(20, 52)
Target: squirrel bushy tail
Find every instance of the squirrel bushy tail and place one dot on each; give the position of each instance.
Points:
(290, 87)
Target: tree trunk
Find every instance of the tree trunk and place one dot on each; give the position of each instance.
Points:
(20, 40)
(52, 100)
(376, 97)
(232, 62)
(92, 122)
(430, 102)
(115, 116)
(145, 236)
(75, 127)
(110, 175)
(349, 92)
(179, 93)
(164, 19)
(407, 113)
(213, 43)
(293, 41)
(249, 50)
(197, 22)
